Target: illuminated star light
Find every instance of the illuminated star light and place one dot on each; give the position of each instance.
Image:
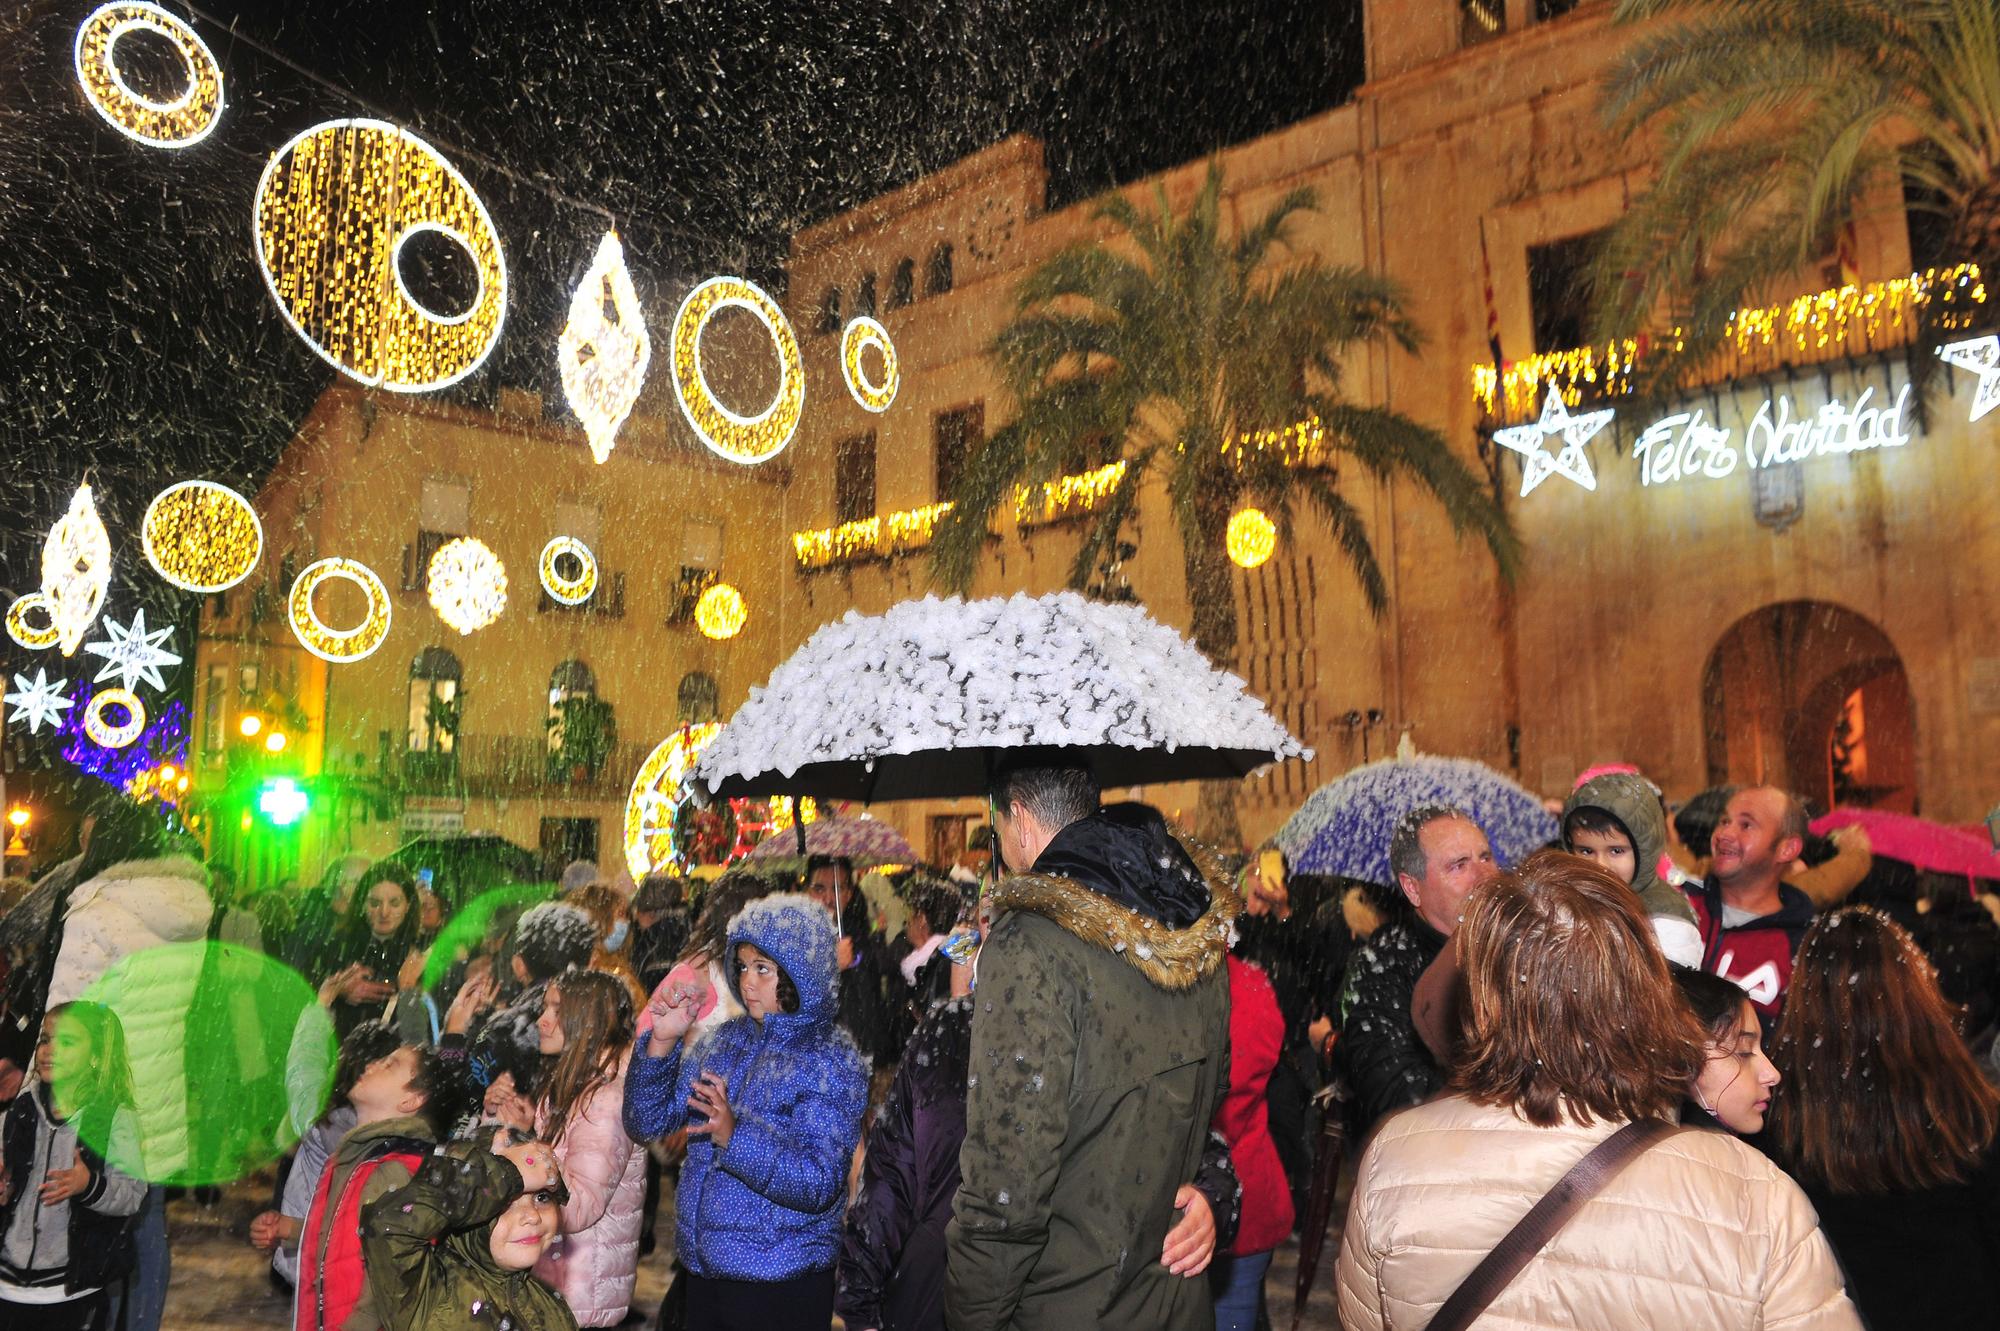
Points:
(134, 654)
(1981, 355)
(37, 700)
(1571, 461)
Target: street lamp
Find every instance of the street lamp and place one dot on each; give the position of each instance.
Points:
(19, 818)
(250, 725)
(275, 742)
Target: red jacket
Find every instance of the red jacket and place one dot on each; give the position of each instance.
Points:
(1256, 1035)
(1757, 956)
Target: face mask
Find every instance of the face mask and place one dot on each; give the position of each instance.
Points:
(616, 938)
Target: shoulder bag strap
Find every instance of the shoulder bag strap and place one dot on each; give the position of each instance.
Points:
(1544, 1220)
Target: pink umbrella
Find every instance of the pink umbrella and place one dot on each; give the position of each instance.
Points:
(1918, 841)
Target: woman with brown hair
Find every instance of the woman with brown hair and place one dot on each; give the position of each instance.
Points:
(1885, 1121)
(1571, 1030)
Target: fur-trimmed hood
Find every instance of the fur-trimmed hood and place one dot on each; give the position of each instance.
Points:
(1121, 880)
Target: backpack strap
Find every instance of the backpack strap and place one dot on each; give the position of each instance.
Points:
(1542, 1222)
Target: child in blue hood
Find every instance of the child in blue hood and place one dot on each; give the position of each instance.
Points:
(772, 1103)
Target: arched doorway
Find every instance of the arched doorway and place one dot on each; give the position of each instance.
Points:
(1813, 697)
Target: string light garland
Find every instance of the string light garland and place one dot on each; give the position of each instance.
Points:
(1251, 537)
(100, 729)
(743, 439)
(339, 646)
(569, 591)
(132, 653)
(1066, 496)
(860, 334)
(26, 634)
(1570, 460)
(180, 121)
(720, 613)
(467, 584)
(202, 537)
(36, 701)
(653, 806)
(76, 569)
(1981, 355)
(334, 208)
(603, 354)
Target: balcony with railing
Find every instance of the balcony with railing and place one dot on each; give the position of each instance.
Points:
(486, 766)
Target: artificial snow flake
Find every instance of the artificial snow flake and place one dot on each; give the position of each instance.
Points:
(76, 569)
(133, 654)
(603, 352)
(1570, 460)
(37, 700)
(1981, 355)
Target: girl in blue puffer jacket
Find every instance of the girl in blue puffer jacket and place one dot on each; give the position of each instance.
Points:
(772, 1102)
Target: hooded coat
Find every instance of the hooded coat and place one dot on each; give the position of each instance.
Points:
(1630, 802)
(377, 1159)
(1100, 1049)
(768, 1206)
(595, 1260)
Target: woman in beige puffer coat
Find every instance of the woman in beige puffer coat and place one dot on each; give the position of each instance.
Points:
(1571, 1029)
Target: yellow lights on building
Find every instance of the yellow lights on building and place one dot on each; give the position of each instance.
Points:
(568, 588)
(76, 569)
(744, 439)
(275, 742)
(913, 526)
(720, 613)
(860, 334)
(22, 628)
(1251, 538)
(467, 584)
(179, 121)
(250, 726)
(879, 537)
(1067, 496)
(604, 349)
(1300, 444)
(99, 727)
(202, 537)
(330, 644)
(334, 209)
(18, 818)
(654, 803)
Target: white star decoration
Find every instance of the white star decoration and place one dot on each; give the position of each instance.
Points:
(1981, 355)
(1576, 431)
(37, 700)
(134, 654)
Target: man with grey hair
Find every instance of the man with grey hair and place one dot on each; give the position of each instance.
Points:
(1438, 855)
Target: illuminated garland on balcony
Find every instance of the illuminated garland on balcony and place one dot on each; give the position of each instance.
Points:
(1804, 327)
(1066, 496)
(879, 537)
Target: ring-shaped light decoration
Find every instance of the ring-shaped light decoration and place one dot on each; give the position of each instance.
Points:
(655, 801)
(570, 591)
(1252, 537)
(745, 439)
(201, 536)
(720, 613)
(467, 584)
(179, 122)
(339, 646)
(101, 731)
(862, 333)
(25, 633)
(334, 209)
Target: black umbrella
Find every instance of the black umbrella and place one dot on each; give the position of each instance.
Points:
(464, 866)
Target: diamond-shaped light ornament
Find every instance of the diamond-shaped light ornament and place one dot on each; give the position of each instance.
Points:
(76, 569)
(132, 653)
(604, 348)
(36, 701)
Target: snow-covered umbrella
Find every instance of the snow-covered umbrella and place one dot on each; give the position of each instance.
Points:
(863, 842)
(918, 702)
(1343, 828)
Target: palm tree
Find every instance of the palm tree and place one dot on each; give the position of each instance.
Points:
(1175, 354)
(1780, 118)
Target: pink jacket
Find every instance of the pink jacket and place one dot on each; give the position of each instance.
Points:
(595, 1260)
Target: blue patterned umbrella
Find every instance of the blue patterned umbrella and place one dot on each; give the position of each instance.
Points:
(1343, 828)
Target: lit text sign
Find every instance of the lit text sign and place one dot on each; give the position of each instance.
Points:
(1686, 445)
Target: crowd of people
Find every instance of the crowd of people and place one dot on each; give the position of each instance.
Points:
(1088, 1086)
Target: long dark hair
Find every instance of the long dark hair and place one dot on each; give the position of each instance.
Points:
(109, 1084)
(355, 934)
(1880, 1093)
(594, 1011)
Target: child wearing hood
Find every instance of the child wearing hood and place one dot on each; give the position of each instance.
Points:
(772, 1103)
(1616, 819)
(456, 1246)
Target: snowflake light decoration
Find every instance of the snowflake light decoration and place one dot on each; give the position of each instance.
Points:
(339, 646)
(132, 653)
(1981, 355)
(745, 439)
(467, 584)
(568, 590)
(180, 121)
(29, 635)
(1570, 460)
(76, 569)
(201, 536)
(36, 701)
(862, 333)
(603, 353)
(101, 730)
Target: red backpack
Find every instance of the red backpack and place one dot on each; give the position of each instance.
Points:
(331, 1276)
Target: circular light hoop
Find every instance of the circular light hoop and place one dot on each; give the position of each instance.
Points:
(720, 613)
(21, 631)
(742, 439)
(201, 537)
(179, 122)
(467, 584)
(861, 334)
(569, 591)
(338, 645)
(101, 731)
(656, 799)
(330, 264)
(1251, 538)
